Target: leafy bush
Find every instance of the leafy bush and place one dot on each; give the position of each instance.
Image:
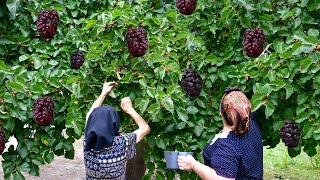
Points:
(283, 82)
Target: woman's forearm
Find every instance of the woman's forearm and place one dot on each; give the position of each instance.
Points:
(206, 172)
(98, 102)
(144, 128)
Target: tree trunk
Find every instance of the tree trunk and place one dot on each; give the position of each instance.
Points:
(136, 167)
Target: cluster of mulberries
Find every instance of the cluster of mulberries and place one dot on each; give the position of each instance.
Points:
(2, 141)
(186, 7)
(290, 134)
(253, 40)
(77, 59)
(47, 23)
(43, 111)
(191, 83)
(137, 41)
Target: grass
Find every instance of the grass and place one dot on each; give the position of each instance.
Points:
(279, 166)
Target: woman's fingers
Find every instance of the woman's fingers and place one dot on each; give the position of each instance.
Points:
(181, 162)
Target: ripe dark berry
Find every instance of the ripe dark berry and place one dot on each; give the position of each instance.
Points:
(290, 134)
(47, 23)
(77, 59)
(137, 41)
(191, 83)
(43, 111)
(186, 7)
(253, 40)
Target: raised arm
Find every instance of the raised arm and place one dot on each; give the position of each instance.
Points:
(144, 128)
(107, 87)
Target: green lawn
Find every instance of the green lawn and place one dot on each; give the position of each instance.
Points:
(279, 165)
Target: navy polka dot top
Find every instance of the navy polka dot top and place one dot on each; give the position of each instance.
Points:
(237, 156)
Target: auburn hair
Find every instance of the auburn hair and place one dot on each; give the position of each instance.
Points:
(235, 108)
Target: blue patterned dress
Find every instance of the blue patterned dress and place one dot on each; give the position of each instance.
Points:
(110, 162)
(237, 156)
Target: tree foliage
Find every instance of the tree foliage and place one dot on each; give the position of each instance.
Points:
(283, 82)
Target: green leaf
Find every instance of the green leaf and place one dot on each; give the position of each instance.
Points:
(293, 152)
(72, 79)
(37, 63)
(171, 13)
(181, 35)
(181, 125)
(34, 171)
(24, 167)
(18, 176)
(49, 157)
(23, 58)
(5, 68)
(162, 72)
(171, 89)
(289, 90)
(313, 32)
(168, 104)
(17, 86)
(302, 116)
(313, 5)
(37, 162)
(201, 103)
(69, 154)
(301, 108)
(192, 110)
(310, 149)
(269, 109)
(279, 46)
(91, 24)
(22, 150)
(315, 111)
(143, 105)
(151, 92)
(305, 64)
(143, 83)
(116, 13)
(198, 130)
(302, 98)
(266, 90)
(9, 124)
(257, 101)
(13, 6)
(160, 143)
(182, 114)
(153, 108)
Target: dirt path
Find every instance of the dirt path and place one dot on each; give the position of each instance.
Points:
(61, 168)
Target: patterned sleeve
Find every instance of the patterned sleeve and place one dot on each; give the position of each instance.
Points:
(130, 140)
(224, 161)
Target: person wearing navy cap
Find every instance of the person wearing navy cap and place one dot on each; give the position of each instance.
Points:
(106, 150)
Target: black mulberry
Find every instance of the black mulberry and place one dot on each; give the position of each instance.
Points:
(290, 134)
(43, 110)
(137, 41)
(2, 141)
(47, 23)
(253, 40)
(191, 83)
(186, 7)
(77, 59)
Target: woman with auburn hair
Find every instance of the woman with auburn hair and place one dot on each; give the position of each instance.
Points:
(237, 151)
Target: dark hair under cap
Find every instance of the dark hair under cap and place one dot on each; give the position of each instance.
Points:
(102, 126)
